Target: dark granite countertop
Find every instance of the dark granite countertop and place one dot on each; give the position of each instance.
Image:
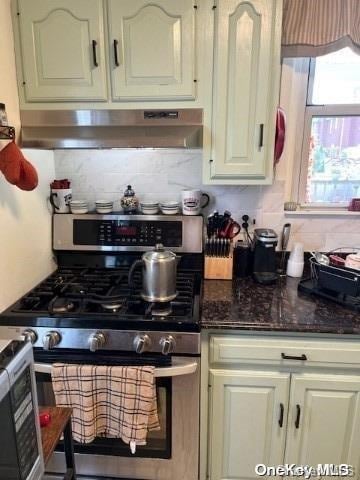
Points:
(242, 304)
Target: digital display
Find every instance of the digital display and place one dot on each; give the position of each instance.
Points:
(126, 231)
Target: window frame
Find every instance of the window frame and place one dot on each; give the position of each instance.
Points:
(310, 111)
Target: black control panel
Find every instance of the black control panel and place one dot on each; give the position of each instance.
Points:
(127, 233)
(24, 419)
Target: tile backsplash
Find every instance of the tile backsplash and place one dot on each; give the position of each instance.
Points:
(161, 174)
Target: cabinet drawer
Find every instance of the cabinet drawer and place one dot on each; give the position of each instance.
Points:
(255, 350)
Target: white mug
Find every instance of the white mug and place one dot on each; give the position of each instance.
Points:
(60, 199)
(191, 201)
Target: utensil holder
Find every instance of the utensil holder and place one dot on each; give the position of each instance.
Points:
(219, 268)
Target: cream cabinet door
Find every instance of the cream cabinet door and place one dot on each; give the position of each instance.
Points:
(152, 45)
(324, 420)
(248, 417)
(62, 47)
(246, 89)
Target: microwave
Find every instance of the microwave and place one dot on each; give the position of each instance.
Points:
(20, 439)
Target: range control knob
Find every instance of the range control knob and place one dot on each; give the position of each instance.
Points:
(167, 344)
(29, 335)
(142, 343)
(51, 339)
(96, 341)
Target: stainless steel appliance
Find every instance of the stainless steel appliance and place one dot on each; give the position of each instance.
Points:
(20, 441)
(264, 266)
(158, 274)
(180, 128)
(86, 312)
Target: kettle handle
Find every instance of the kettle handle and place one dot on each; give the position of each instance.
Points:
(133, 267)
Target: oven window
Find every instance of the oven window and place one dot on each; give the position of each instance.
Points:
(158, 442)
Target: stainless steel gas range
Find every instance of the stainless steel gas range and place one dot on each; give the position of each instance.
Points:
(86, 312)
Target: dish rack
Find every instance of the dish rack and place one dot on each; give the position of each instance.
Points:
(342, 280)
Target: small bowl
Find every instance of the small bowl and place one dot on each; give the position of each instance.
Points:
(78, 210)
(79, 207)
(149, 208)
(170, 211)
(149, 204)
(104, 210)
(150, 211)
(170, 204)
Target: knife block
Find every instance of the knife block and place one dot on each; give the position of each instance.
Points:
(219, 268)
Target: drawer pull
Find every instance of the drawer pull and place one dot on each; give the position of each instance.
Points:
(94, 44)
(281, 418)
(293, 357)
(298, 413)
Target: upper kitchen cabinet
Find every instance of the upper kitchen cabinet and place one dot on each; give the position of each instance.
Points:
(153, 47)
(246, 91)
(62, 50)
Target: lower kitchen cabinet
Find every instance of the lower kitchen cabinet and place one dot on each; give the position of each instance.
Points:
(248, 412)
(324, 420)
(284, 409)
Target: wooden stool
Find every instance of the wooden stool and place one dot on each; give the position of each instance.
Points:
(60, 423)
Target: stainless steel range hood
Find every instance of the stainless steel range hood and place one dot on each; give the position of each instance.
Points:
(179, 128)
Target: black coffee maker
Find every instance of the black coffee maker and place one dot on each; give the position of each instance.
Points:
(264, 245)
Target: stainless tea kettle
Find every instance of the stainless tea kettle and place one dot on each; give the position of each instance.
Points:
(158, 275)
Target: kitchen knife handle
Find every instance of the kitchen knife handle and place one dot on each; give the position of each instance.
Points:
(261, 136)
(94, 44)
(116, 56)
(281, 418)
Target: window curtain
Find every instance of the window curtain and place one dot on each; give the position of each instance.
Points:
(316, 27)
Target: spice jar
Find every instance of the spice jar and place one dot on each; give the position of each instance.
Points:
(129, 201)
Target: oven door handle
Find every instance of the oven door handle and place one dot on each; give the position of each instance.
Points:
(178, 368)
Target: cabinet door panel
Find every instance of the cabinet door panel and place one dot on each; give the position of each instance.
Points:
(246, 38)
(244, 422)
(329, 426)
(156, 49)
(56, 41)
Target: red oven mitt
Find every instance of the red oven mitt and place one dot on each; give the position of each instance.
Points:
(10, 162)
(16, 169)
(28, 176)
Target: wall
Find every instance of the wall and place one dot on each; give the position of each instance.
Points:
(162, 174)
(25, 222)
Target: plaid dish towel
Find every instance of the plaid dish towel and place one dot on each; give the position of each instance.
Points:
(108, 401)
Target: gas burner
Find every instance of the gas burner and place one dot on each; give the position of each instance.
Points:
(61, 305)
(159, 309)
(112, 307)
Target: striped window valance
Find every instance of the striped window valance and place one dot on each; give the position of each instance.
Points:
(317, 27)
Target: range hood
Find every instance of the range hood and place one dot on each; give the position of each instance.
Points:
(179, 128)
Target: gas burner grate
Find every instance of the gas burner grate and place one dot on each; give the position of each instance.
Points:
(103, 291)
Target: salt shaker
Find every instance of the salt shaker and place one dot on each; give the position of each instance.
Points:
(129, 201)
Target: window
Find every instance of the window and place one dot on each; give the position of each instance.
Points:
(330, 167)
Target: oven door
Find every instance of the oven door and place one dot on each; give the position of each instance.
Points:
(172, 452)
